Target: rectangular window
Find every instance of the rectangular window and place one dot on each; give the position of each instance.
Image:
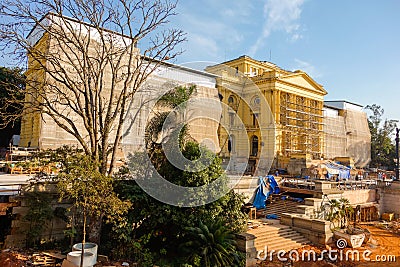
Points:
(255, 119)
(231, 119)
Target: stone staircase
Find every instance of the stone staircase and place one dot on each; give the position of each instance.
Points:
(272, 235)
(277, 237)
(278, 206)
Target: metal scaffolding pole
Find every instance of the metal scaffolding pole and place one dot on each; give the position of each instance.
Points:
(397, 153)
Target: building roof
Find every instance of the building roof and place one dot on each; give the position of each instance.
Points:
(37, 32)
(331, 107)
(266, 63)
(70, 19)
(184, 68)
(343, 104)
(343, 101)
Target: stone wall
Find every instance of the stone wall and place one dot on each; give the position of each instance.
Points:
(361, 196)
(305, 220)
(245, 185)
(245, 243)
(20, 227)
(296, 165)
(316, 230)
(389, 199)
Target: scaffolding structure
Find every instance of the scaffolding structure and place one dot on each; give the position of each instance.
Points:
(335, 136)
(301, 121)
(358, 137)
(347, 135)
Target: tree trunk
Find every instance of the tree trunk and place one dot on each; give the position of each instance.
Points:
(94, 229)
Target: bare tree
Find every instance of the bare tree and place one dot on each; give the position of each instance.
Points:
(84, 64)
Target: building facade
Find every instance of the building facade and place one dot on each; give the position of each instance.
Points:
(347, 132)
(289, 123)
(40, 130)
(264, 115)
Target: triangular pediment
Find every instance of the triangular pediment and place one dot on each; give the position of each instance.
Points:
(302, 79)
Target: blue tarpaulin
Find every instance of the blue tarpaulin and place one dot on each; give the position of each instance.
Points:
(341, 171)
(263, 191)
(261, 194)
(273, 184)
(272, 216)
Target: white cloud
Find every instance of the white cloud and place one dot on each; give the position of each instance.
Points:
(211, 36)
(296, 37)
(216, 30)
(239, 12)
(228, 12)
(200, 45)
(307, 67)
(203, 48)
(279, 15)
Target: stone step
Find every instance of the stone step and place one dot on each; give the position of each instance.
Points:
(273, 237)
(312, 201)
(271, 230)
(304, 209)
(268, 229)
(283, 243)
(278, 212)
(277, 238)
(286, 247)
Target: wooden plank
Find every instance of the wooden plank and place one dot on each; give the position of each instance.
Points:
(43, 260)
(55, 255)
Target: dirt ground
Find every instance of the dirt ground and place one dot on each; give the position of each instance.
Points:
(21, 258)
(384, 242)
(384, 246)
(13, 259)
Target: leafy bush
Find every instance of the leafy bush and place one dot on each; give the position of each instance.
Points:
(39, 213)
(210, 245)
(160, 228)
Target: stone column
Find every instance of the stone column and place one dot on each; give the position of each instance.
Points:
(245, 243)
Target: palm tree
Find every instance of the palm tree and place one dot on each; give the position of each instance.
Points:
(175, 99)
(210, 245)
(340, 211)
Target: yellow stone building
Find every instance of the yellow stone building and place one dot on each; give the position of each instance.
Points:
(52, 63)
(282, 112)
(269, 115)
(40, 130)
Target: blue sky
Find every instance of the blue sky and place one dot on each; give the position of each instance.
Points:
(351, 47)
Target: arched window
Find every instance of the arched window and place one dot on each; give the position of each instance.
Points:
(254, 146)
(231, 100)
